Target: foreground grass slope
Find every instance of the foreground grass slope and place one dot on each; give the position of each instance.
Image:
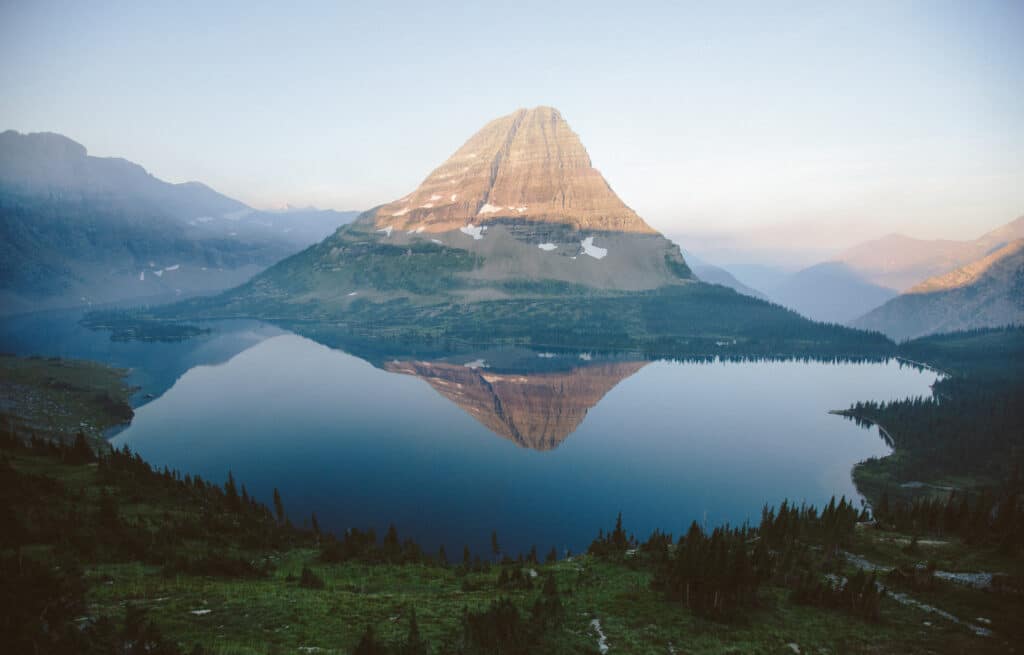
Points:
(236, 582)
(107, 555)
(58, 398)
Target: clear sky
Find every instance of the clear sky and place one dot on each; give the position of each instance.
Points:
(805, 125)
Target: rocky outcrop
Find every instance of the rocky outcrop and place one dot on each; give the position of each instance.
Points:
(529, 166)
(972, 273)
(986, 293)
(534, 410)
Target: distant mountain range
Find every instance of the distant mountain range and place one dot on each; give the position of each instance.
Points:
(518, 213)
(831, 291)
(717, 275)
(988, 292)
(868, 275)
(77, 229)
(900, 262)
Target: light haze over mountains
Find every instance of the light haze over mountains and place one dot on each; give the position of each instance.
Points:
(865, 276)
(709, 119)
(82, 230)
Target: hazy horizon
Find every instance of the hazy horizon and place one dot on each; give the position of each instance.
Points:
(805, 129)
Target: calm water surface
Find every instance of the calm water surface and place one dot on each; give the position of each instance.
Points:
(544, 448)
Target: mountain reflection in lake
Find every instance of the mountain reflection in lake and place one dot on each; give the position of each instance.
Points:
(535, 410)
(580, 437)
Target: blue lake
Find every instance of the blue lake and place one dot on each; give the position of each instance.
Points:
(544, 448)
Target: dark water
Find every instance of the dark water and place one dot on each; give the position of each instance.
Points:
(544, 448)
(154, 367)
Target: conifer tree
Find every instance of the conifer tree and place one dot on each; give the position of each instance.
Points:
(231, 493)
(81, 451)
(368, 644)
(495, 548)
(414, 643)
(278, 506)
(882, 511)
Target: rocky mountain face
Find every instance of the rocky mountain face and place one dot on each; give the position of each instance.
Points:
(77, 229)
(527, 166)
(988, 292)
(533, 410)
(518, 210)
(869, 274)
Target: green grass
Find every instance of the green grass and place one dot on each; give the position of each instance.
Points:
(256, 616)
(57, 398)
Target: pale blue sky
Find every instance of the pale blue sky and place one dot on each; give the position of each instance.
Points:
(797, 124)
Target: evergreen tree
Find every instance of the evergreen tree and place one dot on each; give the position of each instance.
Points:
(495, 548)
(278, 506)
(108, 516)
(414, 643)
(368, 644)
(231, 494)
(882, 511)
(81, 451)
(310, 580)
(391, 548)
(618, 538)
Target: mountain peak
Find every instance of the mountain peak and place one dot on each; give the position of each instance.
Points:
(14, 144)
(971, 273)
(526, 166)
(984, 293)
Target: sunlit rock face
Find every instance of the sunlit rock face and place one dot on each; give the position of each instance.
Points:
(988, 292)
(1000, 264)
(535, 410)
(528, 165)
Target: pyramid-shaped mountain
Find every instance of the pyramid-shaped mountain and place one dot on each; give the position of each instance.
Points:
(528, 166)
(517, 210)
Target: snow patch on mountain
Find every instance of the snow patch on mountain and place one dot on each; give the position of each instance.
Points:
(477, 232)
(594, 251)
